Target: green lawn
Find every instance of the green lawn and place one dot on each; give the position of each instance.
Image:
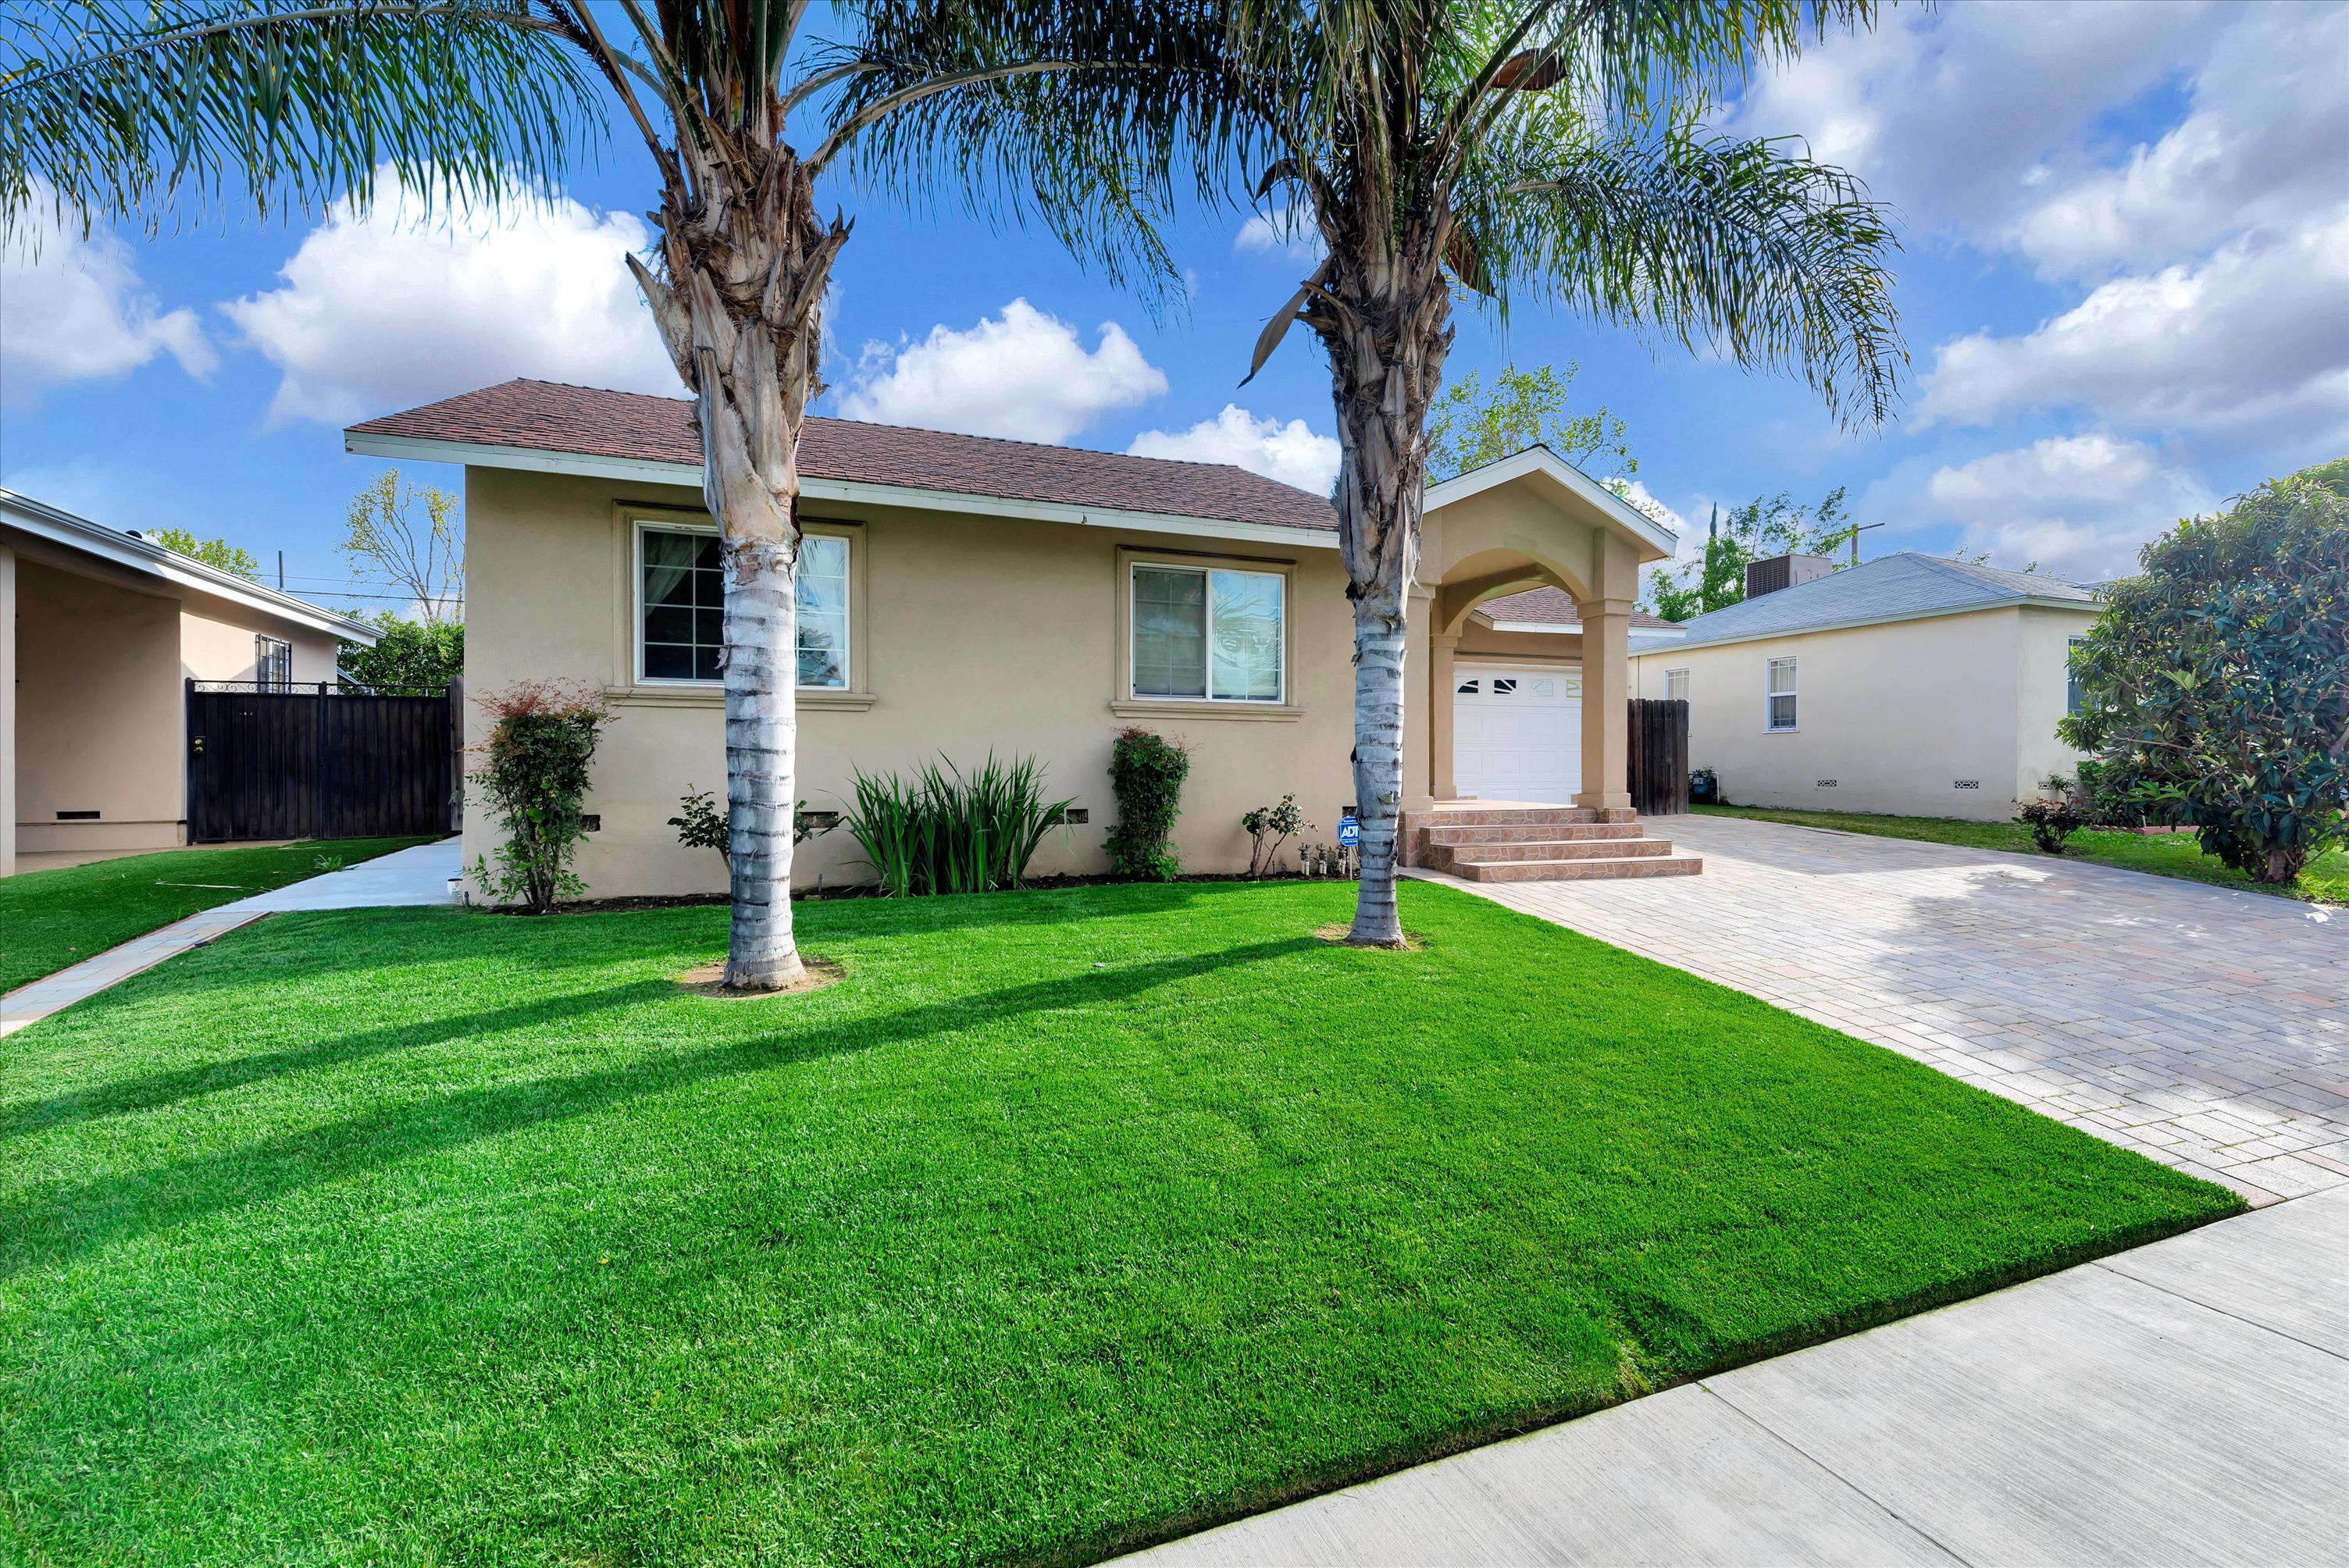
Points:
(52, 919)
(1067, 1221)
(2325, 880)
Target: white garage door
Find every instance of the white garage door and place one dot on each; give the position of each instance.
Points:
(1516, 734)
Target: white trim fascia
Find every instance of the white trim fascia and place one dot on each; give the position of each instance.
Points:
(58, 527)
(2022, 603)
(534, 459)
(1549, 626)
(1542, 460)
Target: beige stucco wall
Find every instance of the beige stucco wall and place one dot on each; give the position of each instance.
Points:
(972, 634)
(98, 713)
(1896, 714)
(2041, 672)
(216, 642)
(100, 721)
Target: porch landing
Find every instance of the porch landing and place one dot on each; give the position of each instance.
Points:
(1525, 841)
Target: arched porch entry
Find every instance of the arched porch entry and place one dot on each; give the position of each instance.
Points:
(1528, 522)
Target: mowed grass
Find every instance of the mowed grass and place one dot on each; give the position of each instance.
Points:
(2325, 878)
(1068, 1220)
(55, 918)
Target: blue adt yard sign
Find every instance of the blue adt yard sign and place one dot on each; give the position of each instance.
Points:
(1350, 832)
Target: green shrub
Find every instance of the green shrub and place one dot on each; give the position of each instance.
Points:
(702, 826)
(945, 831)
(1146, 773)
(2218, 678)
(541, 738)
(1273, 823)
(2051, 821)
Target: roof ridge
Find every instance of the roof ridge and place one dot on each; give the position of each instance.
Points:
(920, 430)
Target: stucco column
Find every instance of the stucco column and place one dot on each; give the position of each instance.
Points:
(1605, 718)
(1439, 693)
(7, 711)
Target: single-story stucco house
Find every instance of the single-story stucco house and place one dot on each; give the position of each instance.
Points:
(103, 630)
(961, 596)
(1908, 684)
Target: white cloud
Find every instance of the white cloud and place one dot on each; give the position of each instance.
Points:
(2260, 146)
(1640, 498)
(2080, 506)
(1022, 374)
(1290, 453)
(386, 307)
(2254, 339)
(1283, 232)
(73, 309)
(1961, 116)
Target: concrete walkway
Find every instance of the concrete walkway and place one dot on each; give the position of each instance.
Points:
(413, 876)
(2184, 1403)
(2204, 1026)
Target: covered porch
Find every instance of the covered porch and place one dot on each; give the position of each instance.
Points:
(1517, 729)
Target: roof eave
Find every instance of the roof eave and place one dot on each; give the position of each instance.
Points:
(1542, 460)
(61, 527)
(640, 471)
(1852, 623)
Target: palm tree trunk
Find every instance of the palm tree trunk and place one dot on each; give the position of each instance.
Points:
(761, 759)
(1387, 330)
(746, 260)
(1379, 628)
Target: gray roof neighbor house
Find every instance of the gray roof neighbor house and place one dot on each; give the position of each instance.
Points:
(1903, 587)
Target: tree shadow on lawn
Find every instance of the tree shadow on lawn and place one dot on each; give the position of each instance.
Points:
(74, 1219)
(156, 1091)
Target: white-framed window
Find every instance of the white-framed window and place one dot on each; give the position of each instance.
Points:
(2075, 695)
(1779, 695)
(681, 605)
(1676, 686)
(1208, 634)
(273, 664)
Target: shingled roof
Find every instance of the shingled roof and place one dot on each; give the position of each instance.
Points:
(550, 415)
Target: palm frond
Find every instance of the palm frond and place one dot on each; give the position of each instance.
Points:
(131, 108)
(1746, 246)
(1080, 118)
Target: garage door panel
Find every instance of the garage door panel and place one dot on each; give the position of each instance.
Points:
(1518, 733)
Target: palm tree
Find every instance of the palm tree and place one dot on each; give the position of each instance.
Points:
(1557, 147)
(116, 108)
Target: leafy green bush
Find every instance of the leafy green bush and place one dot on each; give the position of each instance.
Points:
(541, 740)
(945, 831)
(1275, 823)
(1146, 773)
(2051, 821)
(408, 654)
(2218, 680)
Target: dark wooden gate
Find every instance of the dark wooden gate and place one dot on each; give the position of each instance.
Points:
(1658, 757)
(314, 761)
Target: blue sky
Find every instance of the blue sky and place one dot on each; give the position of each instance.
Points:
(2125, 287)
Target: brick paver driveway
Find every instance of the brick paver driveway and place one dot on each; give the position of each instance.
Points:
(2208, 1028)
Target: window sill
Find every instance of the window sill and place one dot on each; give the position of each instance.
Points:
(1146, 707)
(714, 695)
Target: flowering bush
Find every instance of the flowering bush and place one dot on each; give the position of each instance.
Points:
(534, 776)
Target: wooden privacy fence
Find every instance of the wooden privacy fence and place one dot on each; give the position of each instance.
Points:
(317, 761)
(1658, 757)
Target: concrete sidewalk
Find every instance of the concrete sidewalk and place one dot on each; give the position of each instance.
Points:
(2184, 1403)
(412, 876)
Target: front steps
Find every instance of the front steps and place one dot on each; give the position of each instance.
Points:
(1505, 841)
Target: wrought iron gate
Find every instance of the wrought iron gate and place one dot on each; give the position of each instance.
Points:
(317, 761)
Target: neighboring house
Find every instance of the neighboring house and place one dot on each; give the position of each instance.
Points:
(960, 595)
(1909, 684)
(103, 631)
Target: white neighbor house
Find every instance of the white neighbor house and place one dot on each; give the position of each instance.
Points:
(1908, 684)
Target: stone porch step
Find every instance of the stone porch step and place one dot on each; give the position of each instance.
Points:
(1444, 857)
(1530, 832)
(1678, 863)
(1461, 814)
